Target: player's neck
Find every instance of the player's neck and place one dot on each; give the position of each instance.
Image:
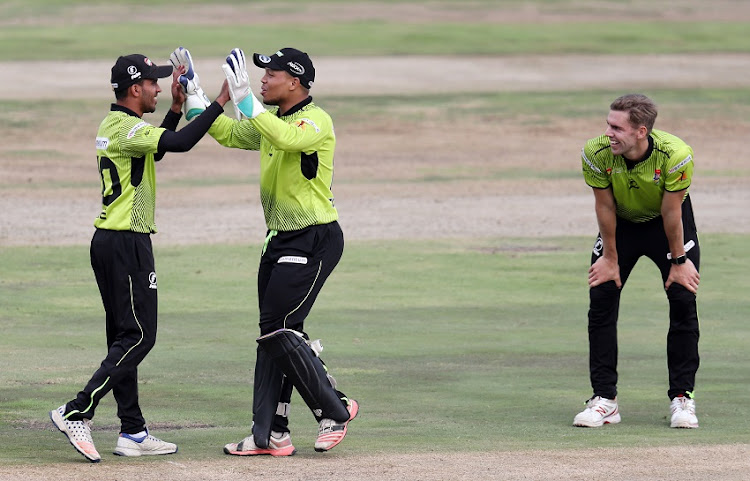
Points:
(289, 103)
(130, 104)
(638, 152)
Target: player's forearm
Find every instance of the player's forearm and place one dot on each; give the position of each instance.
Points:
(171, 120)
(188, 136)
(606, 218)
(671, 213)
(235, 134)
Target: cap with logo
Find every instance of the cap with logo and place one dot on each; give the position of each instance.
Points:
(292, 61)
(130, 69)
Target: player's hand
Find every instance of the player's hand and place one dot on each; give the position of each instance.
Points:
(604, 270)
(178, 94)
(685, 275)
(196, 101)
(245, 103)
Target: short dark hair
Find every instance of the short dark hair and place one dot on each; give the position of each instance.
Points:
(641, 109)
(122, 93)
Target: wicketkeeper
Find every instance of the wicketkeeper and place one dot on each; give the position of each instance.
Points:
(303, 243)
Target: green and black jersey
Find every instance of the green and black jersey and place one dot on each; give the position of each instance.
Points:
(638, 187)
(296, 162)
(125, 148)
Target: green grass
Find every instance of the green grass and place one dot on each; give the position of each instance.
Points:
(75, 29)
(480, 343)
(374, 38)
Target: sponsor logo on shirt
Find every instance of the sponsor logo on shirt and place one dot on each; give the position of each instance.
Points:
(677, 167)
(152, 280)
(102, 143)
(301, 124)
(135, 129)
(292, 260)
(590, 164)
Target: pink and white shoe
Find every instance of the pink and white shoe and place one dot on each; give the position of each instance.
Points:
(331, 433)
(78, 433)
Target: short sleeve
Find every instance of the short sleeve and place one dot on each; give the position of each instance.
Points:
(594, 173)
(679, 170)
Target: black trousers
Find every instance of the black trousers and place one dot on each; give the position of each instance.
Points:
(292, 271)
(635, 240)
(123, 264)
(293, 268)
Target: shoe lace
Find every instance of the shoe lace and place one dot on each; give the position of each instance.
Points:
(682, 403)
(326, 425)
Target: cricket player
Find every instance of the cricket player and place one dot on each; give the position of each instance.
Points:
(127, 148)
(640, 178)
(303, 245)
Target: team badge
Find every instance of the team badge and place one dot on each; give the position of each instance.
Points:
(657, 176)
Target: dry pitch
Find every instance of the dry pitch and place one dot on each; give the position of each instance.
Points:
(383, 197)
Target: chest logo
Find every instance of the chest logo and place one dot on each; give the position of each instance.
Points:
(657, 176)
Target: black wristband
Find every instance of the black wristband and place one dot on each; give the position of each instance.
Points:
(679, 260)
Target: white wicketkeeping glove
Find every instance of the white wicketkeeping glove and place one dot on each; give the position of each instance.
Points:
(196, 101)
(244, 101)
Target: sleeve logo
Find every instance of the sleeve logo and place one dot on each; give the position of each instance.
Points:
(102, 143)
(136, 128)
(301, 124)
(677, 167)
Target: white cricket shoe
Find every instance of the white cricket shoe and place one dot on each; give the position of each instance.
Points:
(683, 413)
(128, 445)
(599, 411)
(78, 433)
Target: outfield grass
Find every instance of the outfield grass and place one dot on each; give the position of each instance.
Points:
(74, 30)
(474, 345)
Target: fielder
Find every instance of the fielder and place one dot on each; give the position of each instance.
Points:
(640, 178)
(127, 148)
(303, 244)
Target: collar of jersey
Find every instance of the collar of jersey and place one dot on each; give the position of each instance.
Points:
(296, 108)
(648, 153)
(120, 108)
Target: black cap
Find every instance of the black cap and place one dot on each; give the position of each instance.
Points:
(129, 69)
(290, 60)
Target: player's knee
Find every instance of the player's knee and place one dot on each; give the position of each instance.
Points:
(683, 311)
(604, 295)
(604, 304)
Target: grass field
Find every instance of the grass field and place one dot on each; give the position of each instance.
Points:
(480, 343)
(468, 345)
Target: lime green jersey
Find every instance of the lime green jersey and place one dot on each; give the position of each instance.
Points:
(125, 148)
(296, 162)
(639, 187)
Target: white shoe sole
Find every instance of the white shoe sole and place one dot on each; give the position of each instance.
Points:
(615, 419)
(134, 453)
(683, 425)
